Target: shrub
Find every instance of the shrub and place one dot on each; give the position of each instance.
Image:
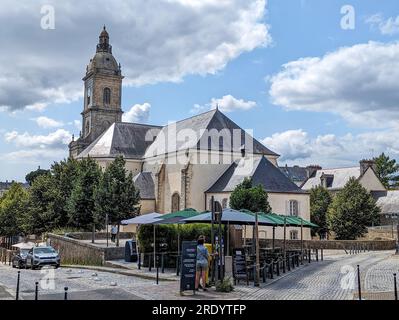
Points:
(226, 285)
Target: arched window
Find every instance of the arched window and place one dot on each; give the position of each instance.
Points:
(87, 129)
(107, 96)
(294, 208)
(88, 95)
(175, 202)
(224, 203)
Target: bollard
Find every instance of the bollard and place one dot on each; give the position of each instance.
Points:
(36, 290)
(65, 293)
(177, 265)
(157, 271)
(317, 255)
(162, 263)
(278, 268)
(18, 279)
(395, 286)
(297, 260)
(322, 254)
(263, 274)
(150, 262)
(288, 262)
(309, 255)
(271, 270)
(139, 261)
(283, 265)
(358, 283)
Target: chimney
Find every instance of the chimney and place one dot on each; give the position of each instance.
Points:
(365, 164)
(311, 170)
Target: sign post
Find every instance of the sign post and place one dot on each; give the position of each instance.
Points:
(188, 266)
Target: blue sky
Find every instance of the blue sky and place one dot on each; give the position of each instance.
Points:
(321, 109)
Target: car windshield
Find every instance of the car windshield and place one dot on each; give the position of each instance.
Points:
(44, 250)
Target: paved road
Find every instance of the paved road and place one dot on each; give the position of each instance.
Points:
(329, 279)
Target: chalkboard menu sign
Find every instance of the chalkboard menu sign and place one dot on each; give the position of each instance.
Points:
(188, 265)
(239, 265)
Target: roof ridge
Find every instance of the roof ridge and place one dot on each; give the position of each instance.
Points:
(139, 124)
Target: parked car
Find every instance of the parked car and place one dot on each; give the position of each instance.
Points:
(38, 257)
(19, 259)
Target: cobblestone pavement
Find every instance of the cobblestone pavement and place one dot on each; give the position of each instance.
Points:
(331, 279)
(93, 285)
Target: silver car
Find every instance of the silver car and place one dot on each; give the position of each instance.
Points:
(38, 257)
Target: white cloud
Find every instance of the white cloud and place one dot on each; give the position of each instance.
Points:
(388, 26)
(45, 122)
(137, 113)
(54, 140)
(359, 83)
(35, 155)
(330, 150)
(227, 103)
(155, 40)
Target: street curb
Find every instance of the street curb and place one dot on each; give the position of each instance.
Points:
(118, 271)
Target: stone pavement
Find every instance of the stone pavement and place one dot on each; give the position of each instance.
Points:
(324, 280)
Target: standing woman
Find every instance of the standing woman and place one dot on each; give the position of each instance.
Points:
(202, 263)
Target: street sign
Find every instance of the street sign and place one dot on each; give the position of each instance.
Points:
(188, 266)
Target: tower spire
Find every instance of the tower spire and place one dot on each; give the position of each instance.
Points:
(103, 43)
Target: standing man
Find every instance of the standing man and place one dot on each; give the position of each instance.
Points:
(114, 231)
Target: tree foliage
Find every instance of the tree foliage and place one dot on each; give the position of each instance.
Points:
(31, 176)
(116, 194)
(351, 211)
(246, 196)
(81, 202)
(12, 206)
(44, 205)
(320, 200)
(387, 170)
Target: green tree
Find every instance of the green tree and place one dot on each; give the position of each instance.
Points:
(116, 194)
(81, 203)
(12, 205)
(65, 174)
(351, 211)
(246, 196)
(31, 176)
(44, 205)
(320, 200)
(387, 170)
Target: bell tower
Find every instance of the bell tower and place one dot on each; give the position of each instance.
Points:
(102, 95)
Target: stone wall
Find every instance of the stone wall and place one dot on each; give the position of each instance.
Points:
(73, 251)
(98, 235)
(332, 244)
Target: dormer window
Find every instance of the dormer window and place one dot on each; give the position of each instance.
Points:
(327, 180)
(107, 96)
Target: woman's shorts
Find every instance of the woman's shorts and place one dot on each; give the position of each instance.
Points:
(202, 266)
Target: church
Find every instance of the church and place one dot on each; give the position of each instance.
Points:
(182, 164)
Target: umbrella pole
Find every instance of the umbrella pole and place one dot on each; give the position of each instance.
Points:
(228, 238)
(274, 237)
(284, 243)
(301, 240)
(257, 251)
(155, 250)
(213, 237)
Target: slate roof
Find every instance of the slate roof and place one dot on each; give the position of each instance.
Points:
(260, 170)
(389, 203)
(296, 174)
(341, 177)
(121, 138)
(145, 183)
(200, 125)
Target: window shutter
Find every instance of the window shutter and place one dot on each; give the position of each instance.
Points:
(299, 209)
(287, 208)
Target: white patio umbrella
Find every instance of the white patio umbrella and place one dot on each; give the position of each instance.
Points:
(24, 245)
(148, 218)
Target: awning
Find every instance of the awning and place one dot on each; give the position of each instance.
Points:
(231, 216)
(148, 218)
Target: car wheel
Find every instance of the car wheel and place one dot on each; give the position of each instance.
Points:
(57, 266)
